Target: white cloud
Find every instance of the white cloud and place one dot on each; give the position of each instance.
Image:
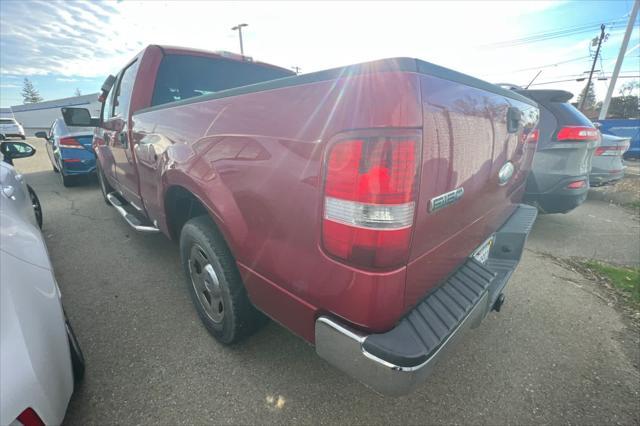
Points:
(92, 39)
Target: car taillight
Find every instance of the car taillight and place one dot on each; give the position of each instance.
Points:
(578, 133)
(30, 418)
(533, 136)
(578, 184)
(611, 150)
(369, 203)
(70, 142)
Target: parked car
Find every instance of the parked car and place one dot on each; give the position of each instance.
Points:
(70, 151)
(39, 353)
(624, 128)
(371, 209)
(559, 180)
(10, 128)
(608, 162)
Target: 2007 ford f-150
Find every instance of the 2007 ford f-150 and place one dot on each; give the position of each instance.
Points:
(374, 209)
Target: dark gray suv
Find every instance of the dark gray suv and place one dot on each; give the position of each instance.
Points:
(559, 179)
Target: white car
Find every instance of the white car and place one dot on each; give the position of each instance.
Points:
(40, 359)
(10, 128)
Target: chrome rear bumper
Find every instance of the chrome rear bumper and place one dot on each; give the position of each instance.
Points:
(393, 363)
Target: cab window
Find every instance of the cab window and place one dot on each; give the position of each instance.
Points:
(122, 95)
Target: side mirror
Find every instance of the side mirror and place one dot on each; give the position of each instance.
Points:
(78, 117)
(12, 150)
(42, 135)
(108, 84)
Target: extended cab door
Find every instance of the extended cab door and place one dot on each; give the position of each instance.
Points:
(117, 137)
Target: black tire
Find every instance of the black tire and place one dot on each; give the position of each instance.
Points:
(105, 188)
(77, 357)
(37, 207)
(226, 312)
(67, 181)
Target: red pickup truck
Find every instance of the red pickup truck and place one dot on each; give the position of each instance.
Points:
(374, 209)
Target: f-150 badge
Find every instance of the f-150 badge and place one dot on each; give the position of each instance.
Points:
(445, 200)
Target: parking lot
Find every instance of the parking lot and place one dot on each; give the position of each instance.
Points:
(559, 352)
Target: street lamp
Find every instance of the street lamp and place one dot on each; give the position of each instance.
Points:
(239, 28)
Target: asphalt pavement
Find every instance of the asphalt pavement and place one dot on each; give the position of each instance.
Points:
(558, 352)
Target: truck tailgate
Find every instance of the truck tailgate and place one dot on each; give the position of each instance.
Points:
(462, 201)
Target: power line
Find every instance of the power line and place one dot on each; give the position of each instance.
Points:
(552, 65)
(550, 35)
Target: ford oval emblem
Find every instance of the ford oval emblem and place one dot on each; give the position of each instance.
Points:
(505, 173)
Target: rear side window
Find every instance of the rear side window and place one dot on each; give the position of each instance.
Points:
(184, 76)
(568, 115)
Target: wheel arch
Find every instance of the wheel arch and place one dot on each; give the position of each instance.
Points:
(182, 204)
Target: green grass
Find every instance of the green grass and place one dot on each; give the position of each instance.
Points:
(624, 279)
(634, 204)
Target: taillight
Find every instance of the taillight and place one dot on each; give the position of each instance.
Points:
(533, 136)
(578, 133)
(30, 418)
(369, 203)
(611, 150)
(70, 142)
(578, 184)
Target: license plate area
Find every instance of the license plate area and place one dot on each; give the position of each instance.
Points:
(481, 254)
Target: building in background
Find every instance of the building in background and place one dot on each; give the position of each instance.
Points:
(6, 113)
(40, 116)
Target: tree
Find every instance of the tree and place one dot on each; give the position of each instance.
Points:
(624, 107)
(629, 87)
(30, 94)
(590, 98)
(77, 92)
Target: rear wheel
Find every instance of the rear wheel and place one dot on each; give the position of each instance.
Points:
(37, 207)
(214, 283)
(67, 181)
(105, 188)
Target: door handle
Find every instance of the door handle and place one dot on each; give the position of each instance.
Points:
(122, 138)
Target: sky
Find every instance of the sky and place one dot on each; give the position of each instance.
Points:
(61, 46)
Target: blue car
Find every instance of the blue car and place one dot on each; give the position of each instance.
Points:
(71, 153)
(624, 128)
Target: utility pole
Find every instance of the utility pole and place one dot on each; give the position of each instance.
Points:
(239, 28)
(296, 69)
(616, 68)
(593, 66)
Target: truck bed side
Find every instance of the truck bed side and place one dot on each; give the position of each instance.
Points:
(254, 156)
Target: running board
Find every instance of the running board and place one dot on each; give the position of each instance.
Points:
(133, 221)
